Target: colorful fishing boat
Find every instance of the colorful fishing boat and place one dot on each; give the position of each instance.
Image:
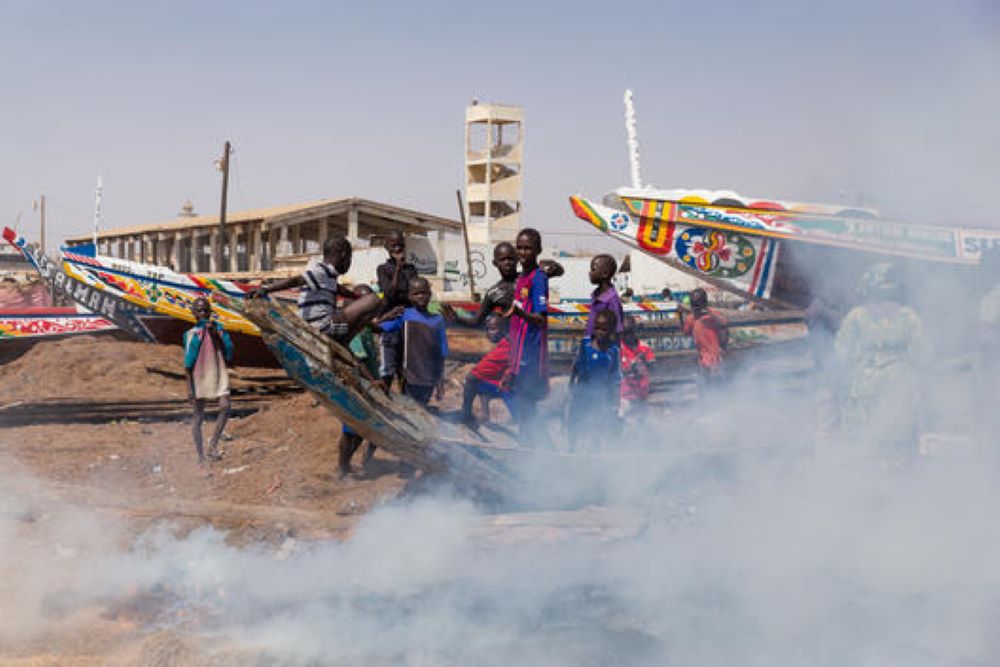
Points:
(21, 328)
(479, 461)
(151, 303)
(659, 327)
(124, 314)
(773, 251)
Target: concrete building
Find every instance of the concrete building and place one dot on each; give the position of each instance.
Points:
(269, 240)
(494, 159)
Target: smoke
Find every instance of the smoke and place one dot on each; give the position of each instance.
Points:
(771, 557)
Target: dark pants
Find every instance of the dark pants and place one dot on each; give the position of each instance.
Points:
(419, 392)
(528, 390)
(390, 354)
(349, 444)
(476, 387)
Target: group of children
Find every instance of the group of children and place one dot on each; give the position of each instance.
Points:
(609, 379)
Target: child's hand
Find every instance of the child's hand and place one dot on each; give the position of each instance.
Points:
(506, 381)
(392, 314)
(448, 312)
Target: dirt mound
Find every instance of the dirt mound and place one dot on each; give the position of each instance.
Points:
(94, 368)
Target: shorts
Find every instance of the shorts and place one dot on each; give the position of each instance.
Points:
(391, 345)
(335, 325)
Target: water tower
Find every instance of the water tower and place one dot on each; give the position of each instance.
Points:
(494, 156)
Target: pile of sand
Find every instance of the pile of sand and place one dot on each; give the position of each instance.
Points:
(94, 368)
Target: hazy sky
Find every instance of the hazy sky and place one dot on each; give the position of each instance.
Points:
(797, 100)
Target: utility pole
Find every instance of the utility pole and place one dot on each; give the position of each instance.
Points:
(220, 250)
(468, 253)
(41, 215)
(98, 215)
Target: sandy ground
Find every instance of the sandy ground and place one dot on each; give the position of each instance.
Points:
(277, 479)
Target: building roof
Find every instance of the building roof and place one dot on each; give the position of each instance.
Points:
(292, 214)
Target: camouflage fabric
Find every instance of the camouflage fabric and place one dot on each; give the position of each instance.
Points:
(876, 348)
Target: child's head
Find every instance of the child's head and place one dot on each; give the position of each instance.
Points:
(420, 293)
(529, 246)
(602, 269)
(667, 294)
(630, 330)
(505, 259)
(337, 251)
(699, 299)
(495, 327)
(605, 324)
(201, 309)
(395, 243)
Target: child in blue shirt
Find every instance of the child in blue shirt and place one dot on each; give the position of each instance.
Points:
(425, 344)
(595, 383)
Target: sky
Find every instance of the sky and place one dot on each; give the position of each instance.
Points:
(890, 103)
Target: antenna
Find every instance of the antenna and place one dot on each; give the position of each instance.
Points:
(633, 141)
(98, 193)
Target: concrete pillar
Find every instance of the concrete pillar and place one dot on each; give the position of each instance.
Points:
(323, 233)
(175, 253)
(213, 265)
(254, 248)
(234, 244)
(352, 224)
(439, 250)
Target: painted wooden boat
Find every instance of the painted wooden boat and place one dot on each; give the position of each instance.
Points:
(22, 328)
(775, 251)
(124, 314)
(477, 461)
(659, 327)
(148, 302)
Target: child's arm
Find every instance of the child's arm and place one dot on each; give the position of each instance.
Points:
(443, 343)
(390, 321)
(346, 292)
(227, 345)
(287, 283)
(192, 344)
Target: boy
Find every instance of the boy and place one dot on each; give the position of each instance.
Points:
(637, 360)
(710, 331)
(364, 348)
(528, 374)
(425, 344)
(501, 295)
(318, 301)
(594, 385)
(605, 296)
(485, 378)
(207, 350)
(394, 278)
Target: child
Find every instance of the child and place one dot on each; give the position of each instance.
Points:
(501, 295)
(594, 385)
(394, 278)
(425, 344)
(605, 296)
(485, 378)
(318, 301)
(207, 350)
(710, 331)
(365, 350)
(528, 377)
(637, 360)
